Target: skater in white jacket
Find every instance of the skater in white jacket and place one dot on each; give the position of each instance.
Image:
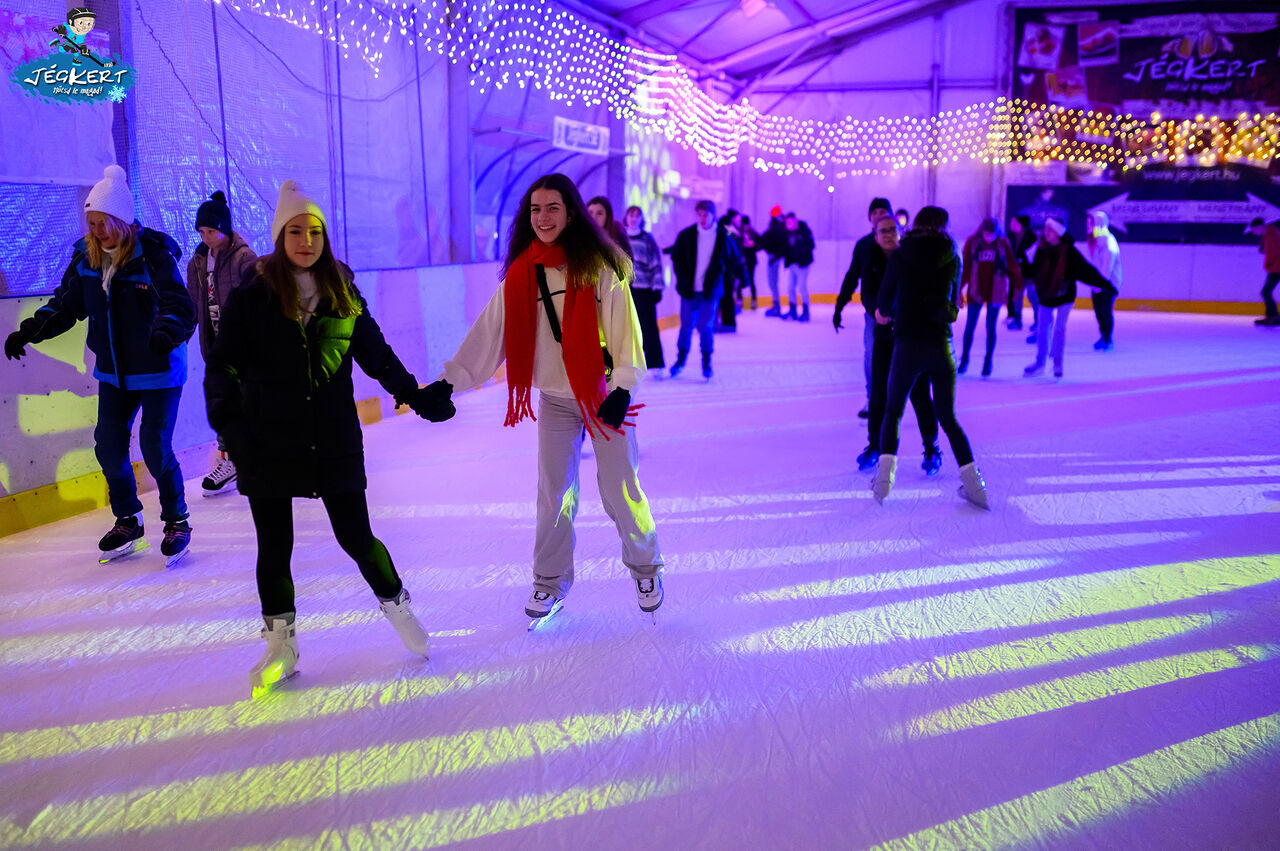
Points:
(1103, 252)
(563, 320)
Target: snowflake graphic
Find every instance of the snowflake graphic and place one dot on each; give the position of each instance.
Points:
(116, 94)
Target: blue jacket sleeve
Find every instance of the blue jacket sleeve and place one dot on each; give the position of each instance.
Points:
(62, 311)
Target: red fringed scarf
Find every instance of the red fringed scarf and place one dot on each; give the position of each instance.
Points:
(579, 337)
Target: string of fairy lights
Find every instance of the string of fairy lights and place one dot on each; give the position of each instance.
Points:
(532, 43)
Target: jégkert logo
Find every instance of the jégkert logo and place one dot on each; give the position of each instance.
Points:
(73, 72)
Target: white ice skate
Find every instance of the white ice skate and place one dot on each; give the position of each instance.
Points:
(221, 479)
(882, 482)
(972, 487)
(406, 623)
(542, 607)
(649, 595)
(280, 660)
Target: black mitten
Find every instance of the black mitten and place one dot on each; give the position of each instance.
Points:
(613, 410)
(432, 402)
(161, 343)
(14, 345)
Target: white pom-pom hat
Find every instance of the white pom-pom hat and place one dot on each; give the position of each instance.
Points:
(111, 195)
(293, 202)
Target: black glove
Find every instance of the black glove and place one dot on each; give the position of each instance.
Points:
(835, 320)
(432, 402)
(161, 343)
(613, 410)
(13, 345)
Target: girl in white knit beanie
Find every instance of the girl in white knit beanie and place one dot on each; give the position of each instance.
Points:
(124, 278)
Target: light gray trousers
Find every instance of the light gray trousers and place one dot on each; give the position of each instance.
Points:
(560, 433)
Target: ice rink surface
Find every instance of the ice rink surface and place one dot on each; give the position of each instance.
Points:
(1092, 664)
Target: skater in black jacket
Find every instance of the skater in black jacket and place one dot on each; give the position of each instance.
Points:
(124, 279)
(279, 391)
(920, 295)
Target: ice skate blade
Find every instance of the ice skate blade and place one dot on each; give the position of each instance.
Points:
(135, 546)
(172, 561)
(273, 686)
(537, 622)
(223, 491)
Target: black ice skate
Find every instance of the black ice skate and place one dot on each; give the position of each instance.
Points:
(221, 479)
(177, 535)
(124, 538)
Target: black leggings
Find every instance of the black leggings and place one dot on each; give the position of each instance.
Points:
(924, 359)
(881, 358)
(349, 516)
(1104, 303)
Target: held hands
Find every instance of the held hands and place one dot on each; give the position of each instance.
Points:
(613, 410)
(14, 345)
(432, 402)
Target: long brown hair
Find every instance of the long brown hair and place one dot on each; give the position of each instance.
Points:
(333, 279)
(126, 236)
(611, 225)
(586, 246)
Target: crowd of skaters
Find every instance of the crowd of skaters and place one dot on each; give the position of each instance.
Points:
(574, 318)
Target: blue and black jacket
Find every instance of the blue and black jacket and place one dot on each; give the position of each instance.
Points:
(147, 295)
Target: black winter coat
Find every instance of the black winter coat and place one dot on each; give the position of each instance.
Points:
(147, 295)
(726, 262)
(921, 287)
(799, 246)
(867, 268)
(1056, 269)
(281, 396)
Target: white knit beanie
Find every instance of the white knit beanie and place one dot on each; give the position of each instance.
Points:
(1056, 226)
(111, 195)
(293, 202)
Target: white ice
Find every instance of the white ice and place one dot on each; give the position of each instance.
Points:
(1091, 664)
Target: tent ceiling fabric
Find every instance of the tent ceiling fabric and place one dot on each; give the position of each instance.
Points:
(749, 39)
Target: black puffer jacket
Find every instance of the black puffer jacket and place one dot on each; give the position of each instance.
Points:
(921, 287)
(281, 394)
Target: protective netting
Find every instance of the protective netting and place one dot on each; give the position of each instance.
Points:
(240, 104)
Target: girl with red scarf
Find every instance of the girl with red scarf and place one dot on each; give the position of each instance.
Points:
(564, 322)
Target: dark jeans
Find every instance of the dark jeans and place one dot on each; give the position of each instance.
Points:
(1269, 287)
(116, 411)
(1104, 303)
(646, 302)
(698, 312)
(971, 322)
(914, 360)
(750, 282)
(881, 358)
(729, 305)
(349, 517)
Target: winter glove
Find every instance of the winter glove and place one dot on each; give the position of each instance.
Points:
(161, 343)
(432, 402)
(835, 320)
(14, 345)
(613, 410)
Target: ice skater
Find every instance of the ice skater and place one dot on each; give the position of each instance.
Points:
(1103, 252)
(703, 259)
(124, 279)
(279, 392)
(563, 321)
(1057, 266)
(866, 268)
(647, 286)
(920, 295)
(219, 265)
(989, 270)
(1269, 236)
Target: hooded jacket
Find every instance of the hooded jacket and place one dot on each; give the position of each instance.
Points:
(921, 286)
(233, 265)
(281, 396)
(1103, 252)
(146, 295)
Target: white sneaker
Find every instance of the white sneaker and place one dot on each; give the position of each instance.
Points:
(281, 657)
(649, 593)
(221, 479)
(540, 604)
(406, 623)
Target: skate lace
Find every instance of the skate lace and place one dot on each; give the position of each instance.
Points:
(121, 529)
(645, 586)
(225, 470)
(173, 531)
